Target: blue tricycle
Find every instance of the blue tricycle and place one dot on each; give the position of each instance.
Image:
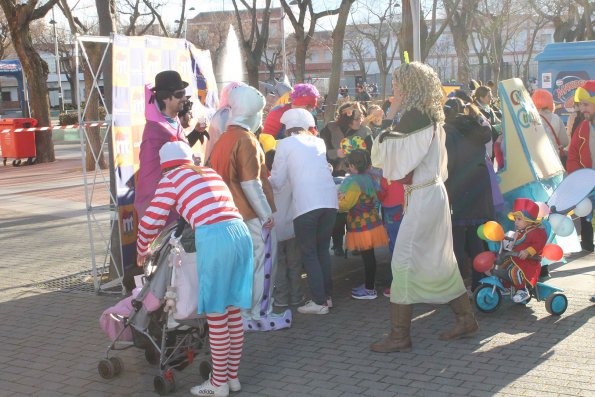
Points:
(575, 192)
(491, 291)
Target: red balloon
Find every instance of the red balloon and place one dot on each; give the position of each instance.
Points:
(484, 261)
(552, 252)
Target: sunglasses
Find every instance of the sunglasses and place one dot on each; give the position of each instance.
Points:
(179, 94)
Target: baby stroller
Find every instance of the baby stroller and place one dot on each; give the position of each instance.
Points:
(171, 335)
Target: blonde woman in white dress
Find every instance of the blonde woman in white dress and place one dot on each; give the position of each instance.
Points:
(424, 266)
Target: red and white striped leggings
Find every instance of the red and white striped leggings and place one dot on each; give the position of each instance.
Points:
(226, 338)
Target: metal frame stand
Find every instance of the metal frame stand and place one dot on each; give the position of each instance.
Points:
(102, 220)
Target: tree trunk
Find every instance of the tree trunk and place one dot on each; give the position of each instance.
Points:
(530, 54)
(495, 71)
(461, 44)
(383, 76)
(337, 61)
(300, 57)
(36, 71)
(252, 67)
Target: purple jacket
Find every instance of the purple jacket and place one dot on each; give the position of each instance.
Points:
(157, 132)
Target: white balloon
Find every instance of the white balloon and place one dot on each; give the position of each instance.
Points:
(555, 219)
(562, 225)
(583, 208)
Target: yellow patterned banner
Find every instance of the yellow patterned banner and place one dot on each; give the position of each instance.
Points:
(135, 62)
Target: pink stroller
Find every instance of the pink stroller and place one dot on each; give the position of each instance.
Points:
(172, 337)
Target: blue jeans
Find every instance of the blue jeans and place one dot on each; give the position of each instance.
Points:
(313, 232)
(392, 217)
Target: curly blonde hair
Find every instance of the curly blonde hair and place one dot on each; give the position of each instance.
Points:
(421, 89)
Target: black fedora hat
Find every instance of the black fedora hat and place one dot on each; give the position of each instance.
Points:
(169, 80)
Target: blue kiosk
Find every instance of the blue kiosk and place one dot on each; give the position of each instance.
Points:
(13, 68)
(562, 68)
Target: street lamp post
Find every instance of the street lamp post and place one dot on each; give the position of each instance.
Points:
(283, 51)
(58, 71)
(415, 14)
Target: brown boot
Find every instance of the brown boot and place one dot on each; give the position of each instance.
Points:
(398, 340)
(465, 325)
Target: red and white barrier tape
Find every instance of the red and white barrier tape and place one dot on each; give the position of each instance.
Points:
(54, 127)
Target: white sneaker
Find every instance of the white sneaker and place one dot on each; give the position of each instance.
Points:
(234, 384)
(312, 308)
(521, 296)
(207, 389)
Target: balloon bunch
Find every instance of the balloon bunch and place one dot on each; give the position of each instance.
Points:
(484, 261)
(552, 252)
(490, 231)
(562, 224)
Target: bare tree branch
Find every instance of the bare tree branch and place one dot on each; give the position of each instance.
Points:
(302, 36)
(41, 11)
(256, 42)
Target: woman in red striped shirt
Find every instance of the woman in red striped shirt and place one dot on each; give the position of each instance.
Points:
(224, 255)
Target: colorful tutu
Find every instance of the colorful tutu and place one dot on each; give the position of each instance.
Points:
(367, 239)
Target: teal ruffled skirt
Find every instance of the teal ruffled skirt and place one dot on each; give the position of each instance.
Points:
(225, 265)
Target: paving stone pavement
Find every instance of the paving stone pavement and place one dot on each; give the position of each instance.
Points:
(52, 343)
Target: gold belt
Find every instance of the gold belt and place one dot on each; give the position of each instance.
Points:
(410, 188)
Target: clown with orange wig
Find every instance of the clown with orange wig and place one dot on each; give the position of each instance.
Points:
(553, 125)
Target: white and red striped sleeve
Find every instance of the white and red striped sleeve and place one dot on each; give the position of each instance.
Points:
(156, 215)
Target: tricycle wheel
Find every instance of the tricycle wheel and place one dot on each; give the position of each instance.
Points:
(31, 160)
(117, 364)
(556, 304)
(487, 298)
(205, 369)
(16, 163)
(106, 369)
(164, 384)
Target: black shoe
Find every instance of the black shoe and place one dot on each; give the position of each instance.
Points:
(545, 273)
(339, 251)
(587, 247)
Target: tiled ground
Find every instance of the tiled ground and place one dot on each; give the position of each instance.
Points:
(51, 340)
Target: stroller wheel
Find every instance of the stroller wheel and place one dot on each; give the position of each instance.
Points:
(117, 364)
(164, 384)
(152, 355)
(205, 369)
(106, 369)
